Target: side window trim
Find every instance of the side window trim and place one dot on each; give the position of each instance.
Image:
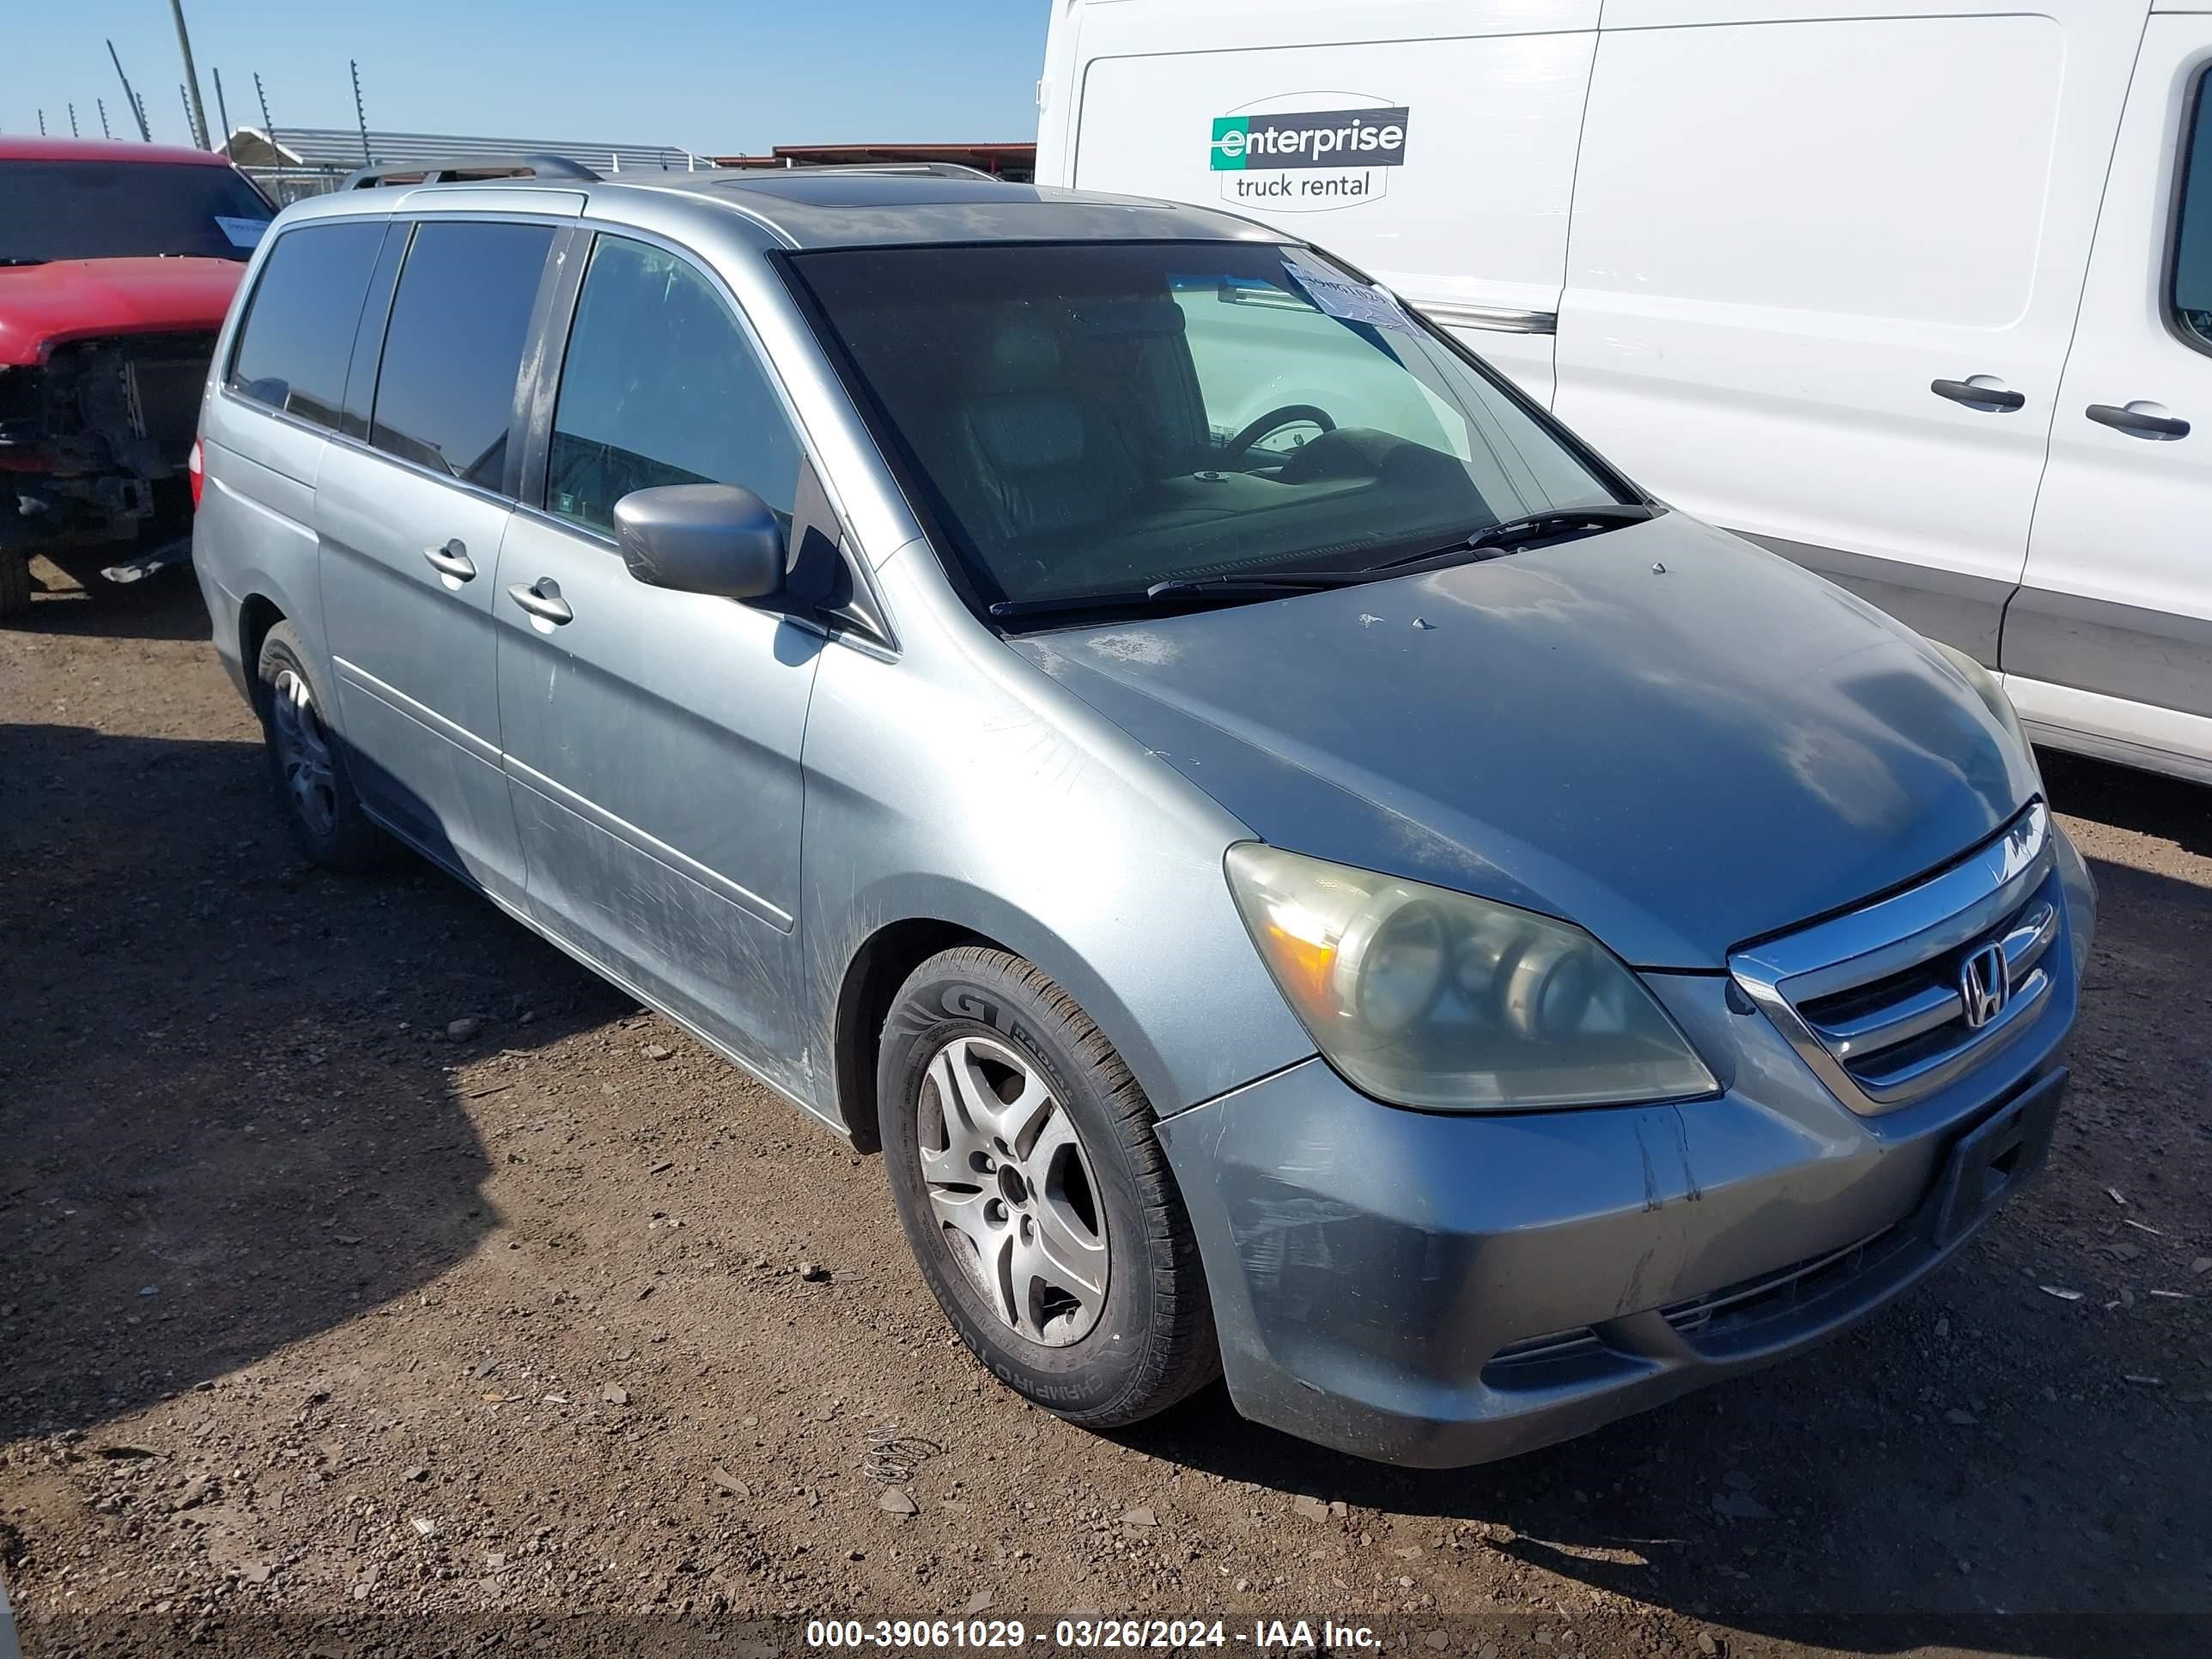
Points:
(561, 323)
(227, 386)
(521, 410)
(861, 619)
(369, 332)
(2192, 125)
(543, 366)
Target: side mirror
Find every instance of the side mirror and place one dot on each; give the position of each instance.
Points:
(701, 538)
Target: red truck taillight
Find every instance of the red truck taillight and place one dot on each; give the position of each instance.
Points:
(193, 468)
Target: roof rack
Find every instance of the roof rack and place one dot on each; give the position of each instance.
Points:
(470, 167)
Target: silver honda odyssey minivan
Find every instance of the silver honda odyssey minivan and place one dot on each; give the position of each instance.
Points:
(1305, 872)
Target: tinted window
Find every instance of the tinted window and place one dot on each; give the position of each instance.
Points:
(2192, 250)
(299, 327)
(1093, 418)
(109, 209)
(660, 387)
(445, 395)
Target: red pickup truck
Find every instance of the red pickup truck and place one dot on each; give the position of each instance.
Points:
(116, 263)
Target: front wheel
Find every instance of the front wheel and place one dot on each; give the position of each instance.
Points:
(1036, 1195)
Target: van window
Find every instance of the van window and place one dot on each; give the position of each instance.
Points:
(660, 387)
(2191, 295)
(298, 334)
(445, 395)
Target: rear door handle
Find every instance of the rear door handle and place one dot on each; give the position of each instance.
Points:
(2135, 424)
(542, 600)
(452, 559)
(1987, 398)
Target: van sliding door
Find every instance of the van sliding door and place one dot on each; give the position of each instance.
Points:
(1824, 269)
(2108, 645)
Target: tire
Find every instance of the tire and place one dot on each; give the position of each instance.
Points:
(1062, 1156)
(15, 583)
(307, 765)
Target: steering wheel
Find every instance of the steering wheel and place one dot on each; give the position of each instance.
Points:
(1274, 420)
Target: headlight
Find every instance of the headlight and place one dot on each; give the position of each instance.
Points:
(1429, 998)
(1992, 694)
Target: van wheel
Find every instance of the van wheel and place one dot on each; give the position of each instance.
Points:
(306, 764)
(1036, 1195)
(15, 583)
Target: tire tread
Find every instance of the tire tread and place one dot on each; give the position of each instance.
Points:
(1184, 1354)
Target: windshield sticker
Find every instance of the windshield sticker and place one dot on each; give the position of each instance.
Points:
(1308, 151)
(243, 233)
(1354, 302)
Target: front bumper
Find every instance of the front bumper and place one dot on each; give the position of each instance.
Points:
(1441, 1289)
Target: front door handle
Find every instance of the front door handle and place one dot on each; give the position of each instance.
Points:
(2135, 424)
(542, 600)
(1988, 398)
(452, 559)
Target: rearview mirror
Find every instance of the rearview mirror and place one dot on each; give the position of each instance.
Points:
(701, 538)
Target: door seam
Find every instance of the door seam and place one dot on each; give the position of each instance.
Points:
(2073, 338)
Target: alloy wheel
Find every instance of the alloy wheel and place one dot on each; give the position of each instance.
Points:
(1010, 1184)
(303, 751)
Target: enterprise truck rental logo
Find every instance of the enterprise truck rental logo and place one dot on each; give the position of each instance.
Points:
(1306, 152)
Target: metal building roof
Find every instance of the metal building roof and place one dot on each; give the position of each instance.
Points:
(1015, 161)
(339, 148)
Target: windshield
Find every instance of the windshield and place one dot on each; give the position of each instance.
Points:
(1097, 418)
(113, 210)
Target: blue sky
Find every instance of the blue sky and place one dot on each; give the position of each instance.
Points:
(740, 74)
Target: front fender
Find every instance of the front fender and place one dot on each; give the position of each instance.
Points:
(967, 788)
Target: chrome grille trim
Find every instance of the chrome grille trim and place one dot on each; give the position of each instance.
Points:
(1898, 952)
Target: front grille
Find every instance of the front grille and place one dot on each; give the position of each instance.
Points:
(132, 402)
(1544, 1349)
(1750, 1311)
(1738, 1306)
(1891, 1002)
(165, 389)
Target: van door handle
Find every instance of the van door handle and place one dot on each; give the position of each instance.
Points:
(452, 559)
(1988, 398)
(2135, 424)
(542, 600)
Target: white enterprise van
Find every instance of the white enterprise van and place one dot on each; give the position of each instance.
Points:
(1922, 299)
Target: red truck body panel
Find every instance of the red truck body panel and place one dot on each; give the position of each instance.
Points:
(102, 359)
(41, 307)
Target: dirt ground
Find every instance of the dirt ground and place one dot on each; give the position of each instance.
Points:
(326, 1331)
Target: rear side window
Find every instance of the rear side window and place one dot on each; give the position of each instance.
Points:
(444, 394)
(2191, 295)
(660, 387)
(298, 332)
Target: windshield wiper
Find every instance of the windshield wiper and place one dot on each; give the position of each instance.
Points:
(1495, 541)
(1267, 581)
(1184, 588)
(22, 260)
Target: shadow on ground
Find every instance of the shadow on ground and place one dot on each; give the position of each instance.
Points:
(2146, 802)
(211, 1046)
(70, 597)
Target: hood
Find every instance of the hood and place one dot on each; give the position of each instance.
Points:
(1662, 733)
(41, 307)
